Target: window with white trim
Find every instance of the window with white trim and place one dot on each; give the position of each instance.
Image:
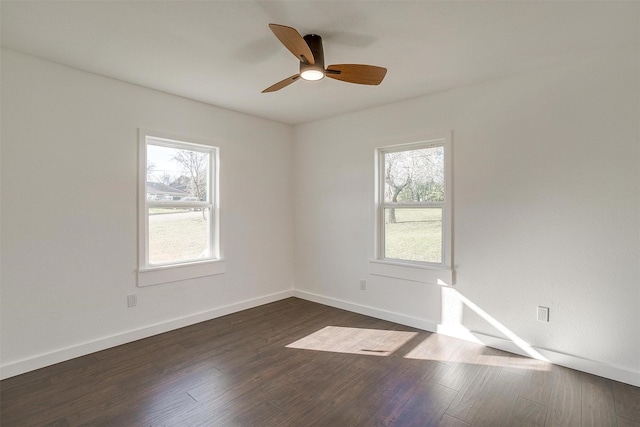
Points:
(178, 208)
(413, 203)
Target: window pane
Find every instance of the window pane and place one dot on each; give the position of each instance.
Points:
(178, 235)
(414, 175)
(176, 174)
(413, 234)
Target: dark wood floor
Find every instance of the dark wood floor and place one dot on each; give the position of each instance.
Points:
(297, 363)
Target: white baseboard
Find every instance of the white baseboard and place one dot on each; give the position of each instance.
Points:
(601, 369)
(47, 359)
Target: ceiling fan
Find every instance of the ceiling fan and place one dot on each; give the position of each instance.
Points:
(308, 50)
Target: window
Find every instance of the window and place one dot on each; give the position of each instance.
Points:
(178, 208)
(414, 220)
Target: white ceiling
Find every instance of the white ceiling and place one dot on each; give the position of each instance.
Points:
(223, 53)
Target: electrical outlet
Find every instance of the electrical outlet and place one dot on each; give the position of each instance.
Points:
(543, 314)
(132, 300)
(363, 285)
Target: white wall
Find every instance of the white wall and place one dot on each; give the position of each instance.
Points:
(69, 225)
(546, 211)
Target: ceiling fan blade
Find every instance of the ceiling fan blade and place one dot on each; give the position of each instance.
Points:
(284, 83)
(292, 40)
(357, 73)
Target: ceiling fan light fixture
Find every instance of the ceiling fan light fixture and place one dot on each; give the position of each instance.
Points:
(312, 74)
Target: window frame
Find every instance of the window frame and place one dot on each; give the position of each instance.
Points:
(446, 206)
(153, 274)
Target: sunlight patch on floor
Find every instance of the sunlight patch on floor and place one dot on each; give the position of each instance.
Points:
(450, 350)
(374, 342)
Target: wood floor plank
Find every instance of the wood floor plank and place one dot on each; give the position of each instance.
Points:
(62, 422)
(623, 422)
(498, 403)
(426, 407)
(627, 401)
(147, 411)
(468, 359)
(260, 413)
(288, 394)
(538, 383)
(598, 406)
(477, 380)
(565, 404)
(449, 421)
(398, 387)
(437, 347)
(523, 365)
(528, 413)
(55, 407)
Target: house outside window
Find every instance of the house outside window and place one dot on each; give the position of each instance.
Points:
(178, 208)
(414, 199)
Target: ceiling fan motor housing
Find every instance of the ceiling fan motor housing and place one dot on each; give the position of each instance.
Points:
(314, 42)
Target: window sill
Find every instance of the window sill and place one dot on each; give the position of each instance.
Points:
(441, 276)
(174, 273)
